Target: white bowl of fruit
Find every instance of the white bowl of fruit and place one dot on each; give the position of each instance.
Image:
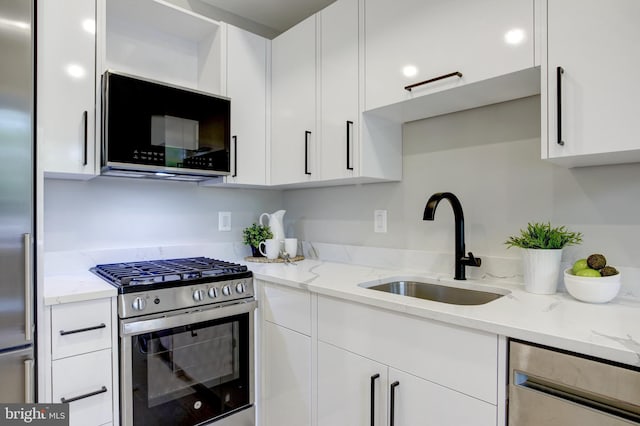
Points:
(592, 280)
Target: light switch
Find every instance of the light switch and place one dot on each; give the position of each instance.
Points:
(224, 221)
(380, 221)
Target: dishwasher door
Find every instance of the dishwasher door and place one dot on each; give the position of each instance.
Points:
(554, 388)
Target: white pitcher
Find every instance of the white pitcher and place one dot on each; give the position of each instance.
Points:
(276, 224)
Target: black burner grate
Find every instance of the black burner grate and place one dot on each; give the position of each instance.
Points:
(166, 270)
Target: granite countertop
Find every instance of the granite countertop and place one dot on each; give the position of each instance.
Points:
(76, 287)
(610, 330)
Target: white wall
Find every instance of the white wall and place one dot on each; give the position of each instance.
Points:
(109, 212)
(489, 158)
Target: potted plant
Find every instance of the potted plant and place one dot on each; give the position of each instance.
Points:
(542, 246)
(254, 235)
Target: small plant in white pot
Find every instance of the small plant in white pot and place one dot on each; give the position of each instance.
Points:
(542, 246)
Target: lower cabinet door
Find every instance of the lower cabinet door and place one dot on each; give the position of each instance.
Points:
(286, 366)
(418, 402)
(85, 382)
(350, 389)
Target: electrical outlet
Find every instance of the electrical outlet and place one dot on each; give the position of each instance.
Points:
(224, 221)
(380, 221)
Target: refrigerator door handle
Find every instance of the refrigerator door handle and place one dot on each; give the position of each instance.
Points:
(28, 381)
(28, 282)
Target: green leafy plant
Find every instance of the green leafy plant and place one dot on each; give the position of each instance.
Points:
(255, 234)
(544, 236)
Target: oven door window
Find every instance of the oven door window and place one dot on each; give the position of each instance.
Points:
(190, 374)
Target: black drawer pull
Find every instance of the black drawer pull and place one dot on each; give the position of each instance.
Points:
(431, 80)
(85, 120)
(349, 128)
(81, 330)
(373, 398)
(306, 152)
(235, 156)
(86, 395)
(392, 408)
(559, 72)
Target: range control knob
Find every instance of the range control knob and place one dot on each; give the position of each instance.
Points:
(213, 292)
(240, 287)
(226, 290)
(198, 295)
(138, 304)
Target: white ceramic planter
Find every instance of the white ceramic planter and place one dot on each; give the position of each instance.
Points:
(541, 270)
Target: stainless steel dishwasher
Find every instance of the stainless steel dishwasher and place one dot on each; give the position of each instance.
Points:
(548, 387)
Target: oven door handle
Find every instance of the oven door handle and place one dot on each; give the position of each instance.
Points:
(162, 323)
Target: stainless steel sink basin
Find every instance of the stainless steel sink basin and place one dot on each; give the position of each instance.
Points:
(436, 292)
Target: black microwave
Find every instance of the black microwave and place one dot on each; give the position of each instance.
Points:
(152, 129)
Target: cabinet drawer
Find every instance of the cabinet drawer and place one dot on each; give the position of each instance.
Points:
(288, 307)
(458, 358)
(91, 376)
(80, 327)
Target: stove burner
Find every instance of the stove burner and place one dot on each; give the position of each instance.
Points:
(165, 271)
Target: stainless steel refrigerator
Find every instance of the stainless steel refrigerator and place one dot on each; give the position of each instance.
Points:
(17, 142)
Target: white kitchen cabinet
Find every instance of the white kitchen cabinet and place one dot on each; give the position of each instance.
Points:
(349, 386)
(410, 41)
(595, 122)
(422, 402)
(317, 80)
(80, 339)
(285, 356)
(293, 85)
(287, 307)
(247, 59)
(67, 319)
(286, 362)
(85, 377)
(66, 82)
(339, 94)
(160, 41)
(446, 374)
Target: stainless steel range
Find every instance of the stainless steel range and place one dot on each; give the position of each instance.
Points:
(186, 341)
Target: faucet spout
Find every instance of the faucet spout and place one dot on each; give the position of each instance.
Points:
(460, 259)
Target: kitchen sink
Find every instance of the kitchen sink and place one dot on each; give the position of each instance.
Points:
(438, 292)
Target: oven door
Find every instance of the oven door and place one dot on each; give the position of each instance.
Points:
(188, 368)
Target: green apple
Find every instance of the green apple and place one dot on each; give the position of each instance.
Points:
(588, 272)
(579, 265)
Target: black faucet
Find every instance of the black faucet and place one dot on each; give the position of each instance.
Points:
(429, 213)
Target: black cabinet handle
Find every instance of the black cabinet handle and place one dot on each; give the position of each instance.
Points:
(392, 409)
(306, 152)
(559, 72)
(103, 389)
(349, 127)
(81, 330)
(431, 80)
(373, 398)
(85, 119)
(235, 156)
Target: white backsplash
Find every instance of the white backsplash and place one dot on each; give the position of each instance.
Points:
(412, 261)
(493, 268)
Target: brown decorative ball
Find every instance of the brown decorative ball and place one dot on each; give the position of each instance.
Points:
(596, 261)
(607, 271)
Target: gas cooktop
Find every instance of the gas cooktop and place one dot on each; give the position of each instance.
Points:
(165, 273)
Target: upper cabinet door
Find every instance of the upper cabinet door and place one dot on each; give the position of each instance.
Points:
(339, 74)
(592, 56)
(66, 87)
(293, 57)
(410, 41)
(247, 88)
